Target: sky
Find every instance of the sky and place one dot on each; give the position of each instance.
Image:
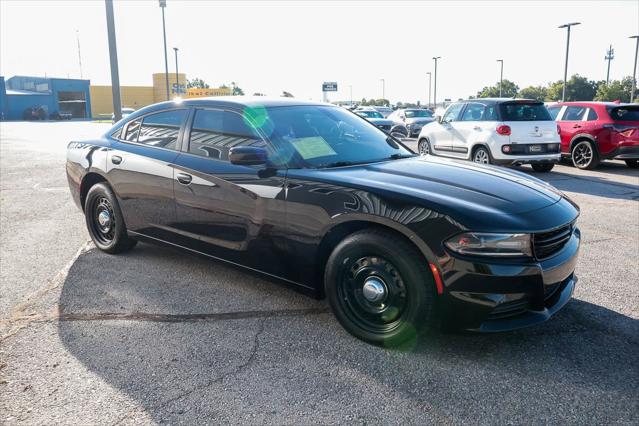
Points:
(270, 47)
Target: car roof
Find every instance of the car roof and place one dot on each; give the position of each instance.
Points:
(612, 104)
(497, 100)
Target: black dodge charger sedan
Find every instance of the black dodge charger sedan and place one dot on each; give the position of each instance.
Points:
(317, 196)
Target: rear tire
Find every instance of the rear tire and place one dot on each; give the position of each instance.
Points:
(481, 155)
(104, 220)
(633, 164)
(543, 167)
(584, 155)
(379, 288)
(423, 147)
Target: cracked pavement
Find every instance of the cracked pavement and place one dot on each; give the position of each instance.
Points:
(160, 336)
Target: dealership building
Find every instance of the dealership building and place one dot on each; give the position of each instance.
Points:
(20, 94)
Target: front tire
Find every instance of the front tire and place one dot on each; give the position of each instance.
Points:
(633, 164)
(104, 220)
(379, 288)
(584, 155)
(543, 167)
(481, 155)
(423, 147)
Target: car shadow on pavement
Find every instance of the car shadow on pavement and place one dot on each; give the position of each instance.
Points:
(195, 341)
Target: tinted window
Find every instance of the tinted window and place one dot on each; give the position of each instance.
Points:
(624, 113)
(452, 113)
(473, 112)
(554, 111)
(524, 111)
(574, 113)
(117, 134)
(592, 115)
(215, 132)
(411, 113)
(133, 130)
(162, 129)
(370, 114)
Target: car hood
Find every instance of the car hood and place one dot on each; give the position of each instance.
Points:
(482, 196)
(420, 120)
(380, 121)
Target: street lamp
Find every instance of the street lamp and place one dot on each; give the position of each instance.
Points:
(166, 59)
(567, 26)
(634, 70)
(383, 88)
(177, 76)
(435, 84)
(501, 75)
(430, 75)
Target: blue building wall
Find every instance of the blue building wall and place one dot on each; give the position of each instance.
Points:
(53, 94)
(3, 100)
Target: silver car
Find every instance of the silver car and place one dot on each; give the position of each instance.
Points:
(413, 119)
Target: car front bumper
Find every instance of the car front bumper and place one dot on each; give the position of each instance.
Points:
(487, 296)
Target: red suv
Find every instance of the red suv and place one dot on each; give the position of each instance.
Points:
(595, 131)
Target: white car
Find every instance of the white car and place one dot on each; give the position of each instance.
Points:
(495, 131)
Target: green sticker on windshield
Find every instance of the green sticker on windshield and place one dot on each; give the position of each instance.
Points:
(312, 147)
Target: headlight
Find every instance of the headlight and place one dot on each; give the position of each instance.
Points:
(499, 245)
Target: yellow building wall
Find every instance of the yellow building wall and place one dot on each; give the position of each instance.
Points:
(159, 86)
(195, 92)
(132, 97)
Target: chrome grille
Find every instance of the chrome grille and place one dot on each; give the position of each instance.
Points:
(545, 244)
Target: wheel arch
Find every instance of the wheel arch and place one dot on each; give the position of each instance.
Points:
(583, 137)
(475, 147)
(87, 182)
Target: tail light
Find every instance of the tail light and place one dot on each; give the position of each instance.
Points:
(626, 131)
(503, 130)
(558, 129)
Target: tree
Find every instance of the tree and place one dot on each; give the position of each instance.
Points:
(616, 90)
(578, 88)
(538, 93)
(236, 91)
(197, 83)
(286, 94)
(509, 90)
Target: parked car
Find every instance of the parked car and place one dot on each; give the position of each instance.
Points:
(38, 112)
(495, 131)
(125, 113)
(376, 118)
(315, 196)
(596, 131)
(384, 110)
(413, 119)
(60, 115)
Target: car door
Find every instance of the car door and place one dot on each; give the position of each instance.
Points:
(443, 132)
(139, 168)
(571, 123)
(229, 211)
(469, 128)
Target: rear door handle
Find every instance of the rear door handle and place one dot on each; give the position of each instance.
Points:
(184, 179)
(116, 159)
(576, 126)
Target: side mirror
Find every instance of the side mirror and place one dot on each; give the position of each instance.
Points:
(248, 155)
(438, 118)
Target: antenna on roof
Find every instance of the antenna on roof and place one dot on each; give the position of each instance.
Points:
(77, 37)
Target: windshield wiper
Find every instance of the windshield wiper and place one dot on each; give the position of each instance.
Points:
(400, 156)
(341, 164)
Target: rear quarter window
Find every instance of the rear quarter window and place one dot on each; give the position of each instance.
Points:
(524, 112)
(624, 113)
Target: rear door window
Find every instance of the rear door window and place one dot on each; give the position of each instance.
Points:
(592, 115)
(554, 111)
(162, 129)
(574, 113)
(524, 111)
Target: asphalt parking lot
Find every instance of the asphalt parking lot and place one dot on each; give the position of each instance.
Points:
(159, 336)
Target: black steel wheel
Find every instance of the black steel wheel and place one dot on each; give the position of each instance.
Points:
(379, 288)
(423, 146)
(584, 155)
(104, 220)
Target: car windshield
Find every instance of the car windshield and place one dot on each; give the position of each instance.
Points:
(524, 111)
(624, 113)
(412, 113)
(370, 114)
(323, 136)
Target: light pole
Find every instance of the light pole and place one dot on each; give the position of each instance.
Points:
(383, 88)
(501, 75)
(634, 70)
(430, 75)
(435, 84)
(113, 57)
(567, 26)
(166, 59)
(350, 87)
(177, 76)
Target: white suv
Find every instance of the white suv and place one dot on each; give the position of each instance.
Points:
(495, 131)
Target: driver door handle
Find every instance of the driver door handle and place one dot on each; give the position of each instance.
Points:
(184, 178)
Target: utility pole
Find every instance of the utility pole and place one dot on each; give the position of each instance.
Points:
(501, 75)
(77, 37)
(351, 89)
(610, 55)
(177, 75)
(435, 84)
(430, 75)
(383, 88)
(634, 70)
(166, 59)
(113, 56)
(567, 26)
